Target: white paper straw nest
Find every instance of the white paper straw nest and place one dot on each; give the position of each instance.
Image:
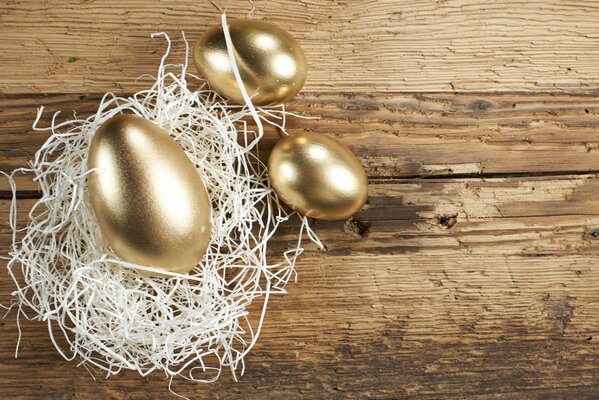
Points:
(99, 309)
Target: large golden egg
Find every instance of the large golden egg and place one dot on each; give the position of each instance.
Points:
(271, 63)
(317, 176)
(148, 198)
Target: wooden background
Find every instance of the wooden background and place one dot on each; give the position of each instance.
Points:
(472, 272)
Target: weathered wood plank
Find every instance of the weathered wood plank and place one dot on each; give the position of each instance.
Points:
(412, 325)
(435, 290)
(394, 135)
(500, 216)
(471, 272)
(389, 45)
(428, 321)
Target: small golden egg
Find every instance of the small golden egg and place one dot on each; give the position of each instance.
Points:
(271, 63)
(149, 199)
(317, 176)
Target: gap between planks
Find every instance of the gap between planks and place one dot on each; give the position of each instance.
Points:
(374, 180)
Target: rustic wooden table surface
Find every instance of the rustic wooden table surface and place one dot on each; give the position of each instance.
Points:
(472, 272)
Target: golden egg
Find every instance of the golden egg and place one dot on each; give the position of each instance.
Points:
(271, 63)
(148, 198)
(317, 176)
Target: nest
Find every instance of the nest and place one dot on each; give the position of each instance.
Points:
(101, 310)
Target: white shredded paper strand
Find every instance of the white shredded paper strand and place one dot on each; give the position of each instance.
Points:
(98, 308)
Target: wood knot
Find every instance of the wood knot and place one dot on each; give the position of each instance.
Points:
(592, 234)
(353, 227)
(448, 221)
(591, 147)
(560, 311)
(480, 106)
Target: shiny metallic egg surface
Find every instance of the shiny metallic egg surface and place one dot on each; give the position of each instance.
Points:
(271, 63)
(148, 198)
(317, 176)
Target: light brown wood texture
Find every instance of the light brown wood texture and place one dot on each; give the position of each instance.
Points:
(395, 135)
(472, 271)
(439, 289)
(365, 46)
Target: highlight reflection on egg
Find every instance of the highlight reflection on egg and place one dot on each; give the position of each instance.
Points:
(149, 199)
(317, 176)
(271, 63)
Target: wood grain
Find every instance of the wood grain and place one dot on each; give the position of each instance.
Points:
(366, 46)
(529, 216)
(472, 271)
(394, 135)
(440, 288)
(457, 328)
(382, 326)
